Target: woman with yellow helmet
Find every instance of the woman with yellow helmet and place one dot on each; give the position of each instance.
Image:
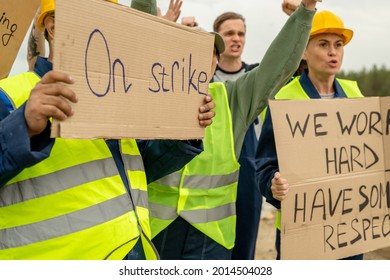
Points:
(323, 58)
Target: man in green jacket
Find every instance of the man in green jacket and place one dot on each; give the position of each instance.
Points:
(193, 211)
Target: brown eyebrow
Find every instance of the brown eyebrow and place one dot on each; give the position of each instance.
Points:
(325, 40)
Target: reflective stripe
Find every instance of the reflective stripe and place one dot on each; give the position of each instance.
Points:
(210, 215)
(134, 162)
(140, 197)
(197, 216)
(210, 181)
(162, 212)
(56, 227)
(51, 183)
(172, 180)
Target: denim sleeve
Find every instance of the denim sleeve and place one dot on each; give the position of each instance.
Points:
(267, 160)
(162, 157)
(18, 151)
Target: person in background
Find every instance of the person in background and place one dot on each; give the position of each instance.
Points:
(323, 58)
(193, 211)
(231, 26)
(73, 198)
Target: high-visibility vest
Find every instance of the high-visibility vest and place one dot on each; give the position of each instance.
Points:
(204, 192)
(19, 83)
(73, 204)
(294, 90)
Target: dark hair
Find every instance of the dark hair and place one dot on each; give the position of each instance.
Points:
(224, 17)
(301, 68)
(217, 52)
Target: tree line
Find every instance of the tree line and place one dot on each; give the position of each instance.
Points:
(372, 82)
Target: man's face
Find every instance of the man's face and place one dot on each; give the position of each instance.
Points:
(233, 33)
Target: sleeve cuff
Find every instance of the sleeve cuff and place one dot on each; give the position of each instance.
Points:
(16, 142)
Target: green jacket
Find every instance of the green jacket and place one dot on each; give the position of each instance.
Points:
(249, 94)
(147, 6)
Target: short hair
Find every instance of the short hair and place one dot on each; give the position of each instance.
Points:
(226, 16)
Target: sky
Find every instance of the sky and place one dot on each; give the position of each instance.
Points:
(370, 21)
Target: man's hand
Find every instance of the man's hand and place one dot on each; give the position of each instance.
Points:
(280, 187)
(49, 99)
(189, 21)
(205, 113)
(173, 11)
(289, 6)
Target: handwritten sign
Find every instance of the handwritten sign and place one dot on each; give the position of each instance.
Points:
(15, 19)
(136, 75)
(335, 156)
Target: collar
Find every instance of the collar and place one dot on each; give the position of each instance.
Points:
(243, 66)
(312, 92)
(42, 66)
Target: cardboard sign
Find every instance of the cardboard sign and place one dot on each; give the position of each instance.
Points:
(136, 75)
(15, 19)
(335, 155)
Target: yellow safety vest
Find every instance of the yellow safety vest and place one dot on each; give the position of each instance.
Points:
(294, 91)
(20, 83)
(203, 192)
(74, 205)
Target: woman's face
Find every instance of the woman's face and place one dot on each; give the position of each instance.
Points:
(324, 54)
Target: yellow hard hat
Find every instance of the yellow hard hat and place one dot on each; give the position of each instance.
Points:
(327, 22)
(48, 6)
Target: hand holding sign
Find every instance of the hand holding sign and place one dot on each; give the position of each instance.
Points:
(49, 98)
(280, 187)
(206, 115)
